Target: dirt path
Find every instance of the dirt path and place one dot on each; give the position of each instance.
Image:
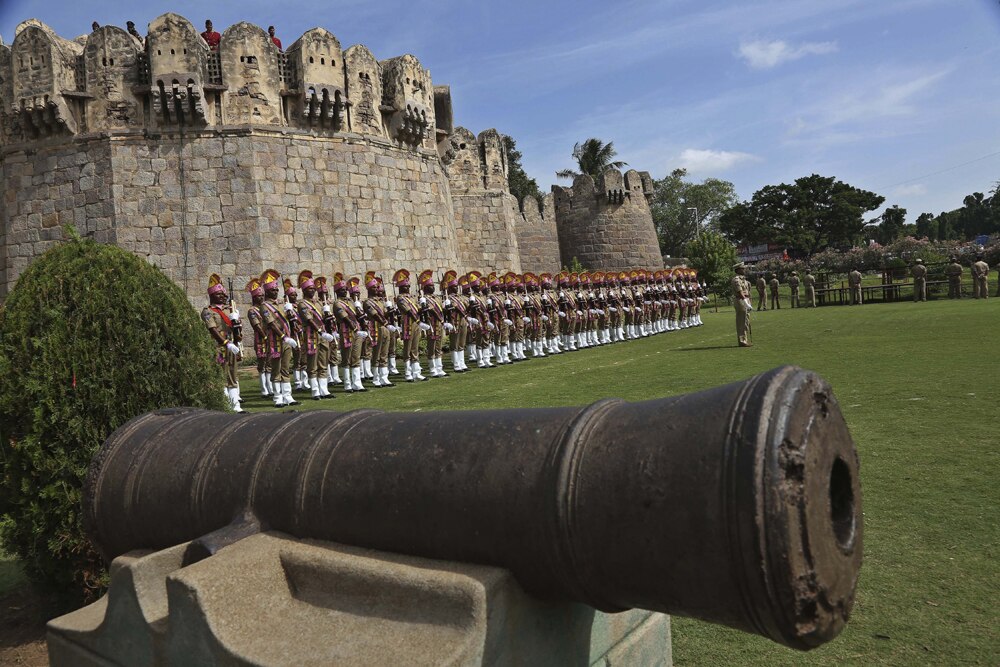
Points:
(22, 630)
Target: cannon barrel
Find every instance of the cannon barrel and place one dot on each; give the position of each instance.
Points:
(739, 505)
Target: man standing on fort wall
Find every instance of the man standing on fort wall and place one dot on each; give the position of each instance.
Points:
(211, 37)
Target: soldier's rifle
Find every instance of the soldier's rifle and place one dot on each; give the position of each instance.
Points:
(236, 322)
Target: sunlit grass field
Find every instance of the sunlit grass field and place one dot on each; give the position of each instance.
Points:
(919, 385)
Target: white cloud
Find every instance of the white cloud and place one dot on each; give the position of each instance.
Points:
(910, 190)
(697, 160)
(876, 101)
(764, 54)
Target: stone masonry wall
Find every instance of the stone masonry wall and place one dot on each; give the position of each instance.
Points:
(484, 225)
(233, 202)
(46, 190)
(538, 237)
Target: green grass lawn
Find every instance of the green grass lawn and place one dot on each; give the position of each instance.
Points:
(919, 385)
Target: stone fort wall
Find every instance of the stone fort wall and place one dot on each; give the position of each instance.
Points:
(239, 159)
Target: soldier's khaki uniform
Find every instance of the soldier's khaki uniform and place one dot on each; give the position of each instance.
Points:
(980, 277)
(793, 284)
(761, 293)
(775, 301)
(954, 273)
(919, 272)
(810, 283)
(740, 287)
(854, 283)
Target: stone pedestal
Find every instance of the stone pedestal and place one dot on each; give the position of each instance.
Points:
(271, 599)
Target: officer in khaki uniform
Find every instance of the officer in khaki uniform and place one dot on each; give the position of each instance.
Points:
(740, 287)
(980, 277)
(919, 272)
(854, 283)
(810, 282)
(761, 292)
(224, 326)
(793, 284)
(954, 273)
(773, 285)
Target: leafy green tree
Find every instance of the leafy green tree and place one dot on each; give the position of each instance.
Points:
(927, 226)
(809, 215)
(90, 336)
(891, 226)
(673, 199)
(592, 157)
(521, 185)
(714, 256)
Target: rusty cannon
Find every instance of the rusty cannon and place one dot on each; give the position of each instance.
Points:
(739, 505)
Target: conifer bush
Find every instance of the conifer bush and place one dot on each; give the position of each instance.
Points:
(90, 336)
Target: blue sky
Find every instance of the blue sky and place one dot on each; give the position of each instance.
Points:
(897, 96)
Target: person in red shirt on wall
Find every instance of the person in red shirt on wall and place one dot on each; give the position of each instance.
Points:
(211, 37)
(277, 42)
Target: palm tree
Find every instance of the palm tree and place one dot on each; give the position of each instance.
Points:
(593, 156)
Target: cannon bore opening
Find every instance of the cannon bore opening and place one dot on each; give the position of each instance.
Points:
(842, 503)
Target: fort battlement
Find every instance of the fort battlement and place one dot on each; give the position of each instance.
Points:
(237, 159)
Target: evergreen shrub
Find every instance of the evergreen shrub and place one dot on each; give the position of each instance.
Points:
(90, 336)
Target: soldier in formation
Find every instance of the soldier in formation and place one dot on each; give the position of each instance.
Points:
(223, 323)
(980, 278)
(954, 274)
(773, 288)
(919, 280)
(308, 342)
(810, 282)
(793, 285)
(854, 284)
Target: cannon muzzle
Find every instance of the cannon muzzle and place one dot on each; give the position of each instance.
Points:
(739, 505)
